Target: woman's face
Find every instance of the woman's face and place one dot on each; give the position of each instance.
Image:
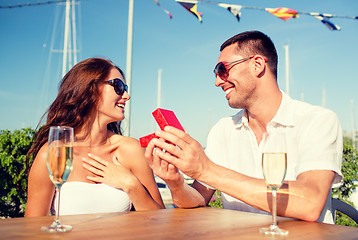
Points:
(111, 105)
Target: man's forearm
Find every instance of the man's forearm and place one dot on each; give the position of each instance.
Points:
(303, 199)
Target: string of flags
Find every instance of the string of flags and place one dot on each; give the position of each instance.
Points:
(166, 11)
(280, 12)
(31, 4)
(192, 6)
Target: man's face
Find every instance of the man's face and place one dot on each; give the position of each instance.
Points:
(239, 85)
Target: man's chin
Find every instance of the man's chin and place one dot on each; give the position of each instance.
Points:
(234, 105)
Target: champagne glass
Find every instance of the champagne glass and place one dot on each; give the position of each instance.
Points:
(59, 166)
(274, 166)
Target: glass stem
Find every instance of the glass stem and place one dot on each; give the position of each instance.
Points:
(274, 208)
(57, 219)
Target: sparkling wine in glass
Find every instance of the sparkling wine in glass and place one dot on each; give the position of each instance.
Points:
(59, 166)
(274, 166)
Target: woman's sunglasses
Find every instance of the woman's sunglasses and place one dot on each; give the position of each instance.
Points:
(118, 85)
(222, 70)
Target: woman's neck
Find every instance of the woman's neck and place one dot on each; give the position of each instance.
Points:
(93, 135)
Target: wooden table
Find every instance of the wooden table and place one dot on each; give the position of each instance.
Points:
(199, 223)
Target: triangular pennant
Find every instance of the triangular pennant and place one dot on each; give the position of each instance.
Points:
(325, 20)
(234, 9)
(166, 11)
(283, 13)
(191, 6)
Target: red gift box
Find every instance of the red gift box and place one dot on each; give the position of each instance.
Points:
(146, 139)
(164, 118)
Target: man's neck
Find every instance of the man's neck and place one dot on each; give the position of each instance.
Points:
(263, 112)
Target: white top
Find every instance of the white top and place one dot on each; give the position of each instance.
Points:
(314, 142)
(86, 198)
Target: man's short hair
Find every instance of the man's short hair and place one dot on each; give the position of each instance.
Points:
(254, 42)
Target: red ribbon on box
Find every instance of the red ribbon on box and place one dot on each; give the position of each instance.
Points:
(164, 118)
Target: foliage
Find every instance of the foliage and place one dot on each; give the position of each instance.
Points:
(350, 175)
(216, 200)
(342, 219)
(13, 176)
(348, 141)
(349, 171)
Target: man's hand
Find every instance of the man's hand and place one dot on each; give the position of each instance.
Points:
(181, 151)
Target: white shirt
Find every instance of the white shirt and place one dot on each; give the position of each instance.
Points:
(86, 198)
(314, 142)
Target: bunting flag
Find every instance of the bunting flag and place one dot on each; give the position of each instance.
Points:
(191, 6)
(324, 18)
(283, 13)
(234, 9)
(166, 11)
(280, 12)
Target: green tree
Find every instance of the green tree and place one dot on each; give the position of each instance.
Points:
(13, 176)
(216, 201)
(349, 171)
(350, 175)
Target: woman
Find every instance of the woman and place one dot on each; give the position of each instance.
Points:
(91, 99)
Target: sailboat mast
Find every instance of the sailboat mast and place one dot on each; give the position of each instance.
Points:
(129, 65)
(159, 94)
(69, 57)
(66, 38)
(353, 125)
(74, 36)
(287, 70)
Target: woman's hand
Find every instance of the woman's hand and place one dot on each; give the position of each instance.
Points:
(161, 168)
(111, 173)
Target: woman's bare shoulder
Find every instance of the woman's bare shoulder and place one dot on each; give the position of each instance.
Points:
(42, 154)
(128, 149)
(125, 143)
(39, 166)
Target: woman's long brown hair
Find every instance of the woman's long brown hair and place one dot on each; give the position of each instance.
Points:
(77, 99)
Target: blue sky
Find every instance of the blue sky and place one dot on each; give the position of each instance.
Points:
(186, 51)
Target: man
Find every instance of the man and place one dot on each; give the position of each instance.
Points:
(231, 163)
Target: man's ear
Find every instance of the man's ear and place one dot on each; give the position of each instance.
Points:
(259, 66)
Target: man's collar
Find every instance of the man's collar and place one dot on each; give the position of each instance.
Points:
(284, 115)
(240, 119)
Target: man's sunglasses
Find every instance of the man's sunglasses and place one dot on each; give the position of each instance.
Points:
(118, 85)
(222, 70)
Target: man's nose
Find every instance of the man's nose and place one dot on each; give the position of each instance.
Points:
(218, 81)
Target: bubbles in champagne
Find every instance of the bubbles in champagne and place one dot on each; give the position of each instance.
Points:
(59, 163)
(274, 166)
